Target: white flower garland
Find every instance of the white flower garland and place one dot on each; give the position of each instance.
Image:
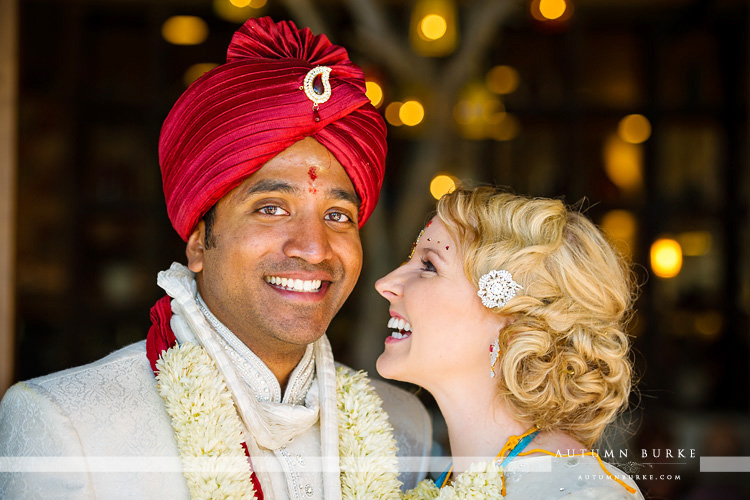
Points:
(483, 481)
(206, 424)
(369, 467)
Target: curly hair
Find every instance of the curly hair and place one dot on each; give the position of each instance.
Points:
(565, 361)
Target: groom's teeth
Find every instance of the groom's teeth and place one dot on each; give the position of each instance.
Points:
(295, 285)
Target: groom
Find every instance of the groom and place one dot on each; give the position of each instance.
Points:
(271, 163)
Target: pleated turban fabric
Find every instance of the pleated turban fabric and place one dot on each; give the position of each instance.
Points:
(238, 116)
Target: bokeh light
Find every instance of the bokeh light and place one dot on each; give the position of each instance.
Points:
(493, 111)
(666, 258)
(634, 129)
(184, 30)
(374, 93)
(695, 243)
(253, 4)
(433, 30)
(552, 9)
(411, 113)
(442, 184)
(622, 227)
(506, 130)
(503, 80)
(709, 323)
(392, 113)
(433, 26)
(238, 11)
(196, 71)
(480, 114)
(623, 163)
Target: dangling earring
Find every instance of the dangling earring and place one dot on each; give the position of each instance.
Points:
(494, 352)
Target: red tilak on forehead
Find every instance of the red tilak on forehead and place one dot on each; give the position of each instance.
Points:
(313, 174)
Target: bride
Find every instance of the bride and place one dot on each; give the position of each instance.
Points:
(511, 312)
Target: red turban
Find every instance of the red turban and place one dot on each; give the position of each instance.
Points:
(238, 116)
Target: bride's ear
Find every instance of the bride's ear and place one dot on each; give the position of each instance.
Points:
(499, 324)
(504, 321)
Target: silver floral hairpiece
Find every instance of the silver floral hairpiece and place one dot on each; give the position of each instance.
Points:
(497, 287)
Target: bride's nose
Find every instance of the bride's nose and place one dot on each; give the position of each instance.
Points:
(390, 286)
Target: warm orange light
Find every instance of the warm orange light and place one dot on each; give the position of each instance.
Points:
(623, 163)
(184, 30)
(666, 258)
(506, 130)
(253, 4)
(695, 243)
(196, 71)
(622, 227)
(411, 113)
(238, 11)
(552, 9)
(442, 184)
(709, 323)
(493, 112)
(374, 93)
(502, 80)
(480, 114)
(433, 30)
(433, 26)
(634, 129)
(392, 113)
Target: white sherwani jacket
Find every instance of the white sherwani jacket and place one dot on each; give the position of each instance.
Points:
(102, 431)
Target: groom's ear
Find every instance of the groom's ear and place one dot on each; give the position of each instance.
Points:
(196, 248)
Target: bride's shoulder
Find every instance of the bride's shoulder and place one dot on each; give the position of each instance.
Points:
(571, 477)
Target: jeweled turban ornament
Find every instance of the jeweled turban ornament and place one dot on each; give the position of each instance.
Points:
(497, 287)
(236, 117)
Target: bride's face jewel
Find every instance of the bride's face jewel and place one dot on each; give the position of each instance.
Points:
(414, 245)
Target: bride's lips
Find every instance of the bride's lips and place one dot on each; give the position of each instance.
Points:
(401, 329)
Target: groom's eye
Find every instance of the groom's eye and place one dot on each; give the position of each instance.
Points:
(427, 266)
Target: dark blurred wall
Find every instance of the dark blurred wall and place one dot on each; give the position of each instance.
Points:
(97, 79)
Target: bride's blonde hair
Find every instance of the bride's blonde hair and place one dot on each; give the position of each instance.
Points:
(564, 361)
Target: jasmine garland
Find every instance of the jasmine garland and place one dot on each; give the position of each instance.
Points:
(206, 424)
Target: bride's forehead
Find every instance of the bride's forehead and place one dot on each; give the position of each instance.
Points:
(434, 228)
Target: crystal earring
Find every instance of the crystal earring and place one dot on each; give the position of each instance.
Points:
(494, 353)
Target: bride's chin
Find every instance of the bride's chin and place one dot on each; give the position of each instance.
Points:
(387, 367)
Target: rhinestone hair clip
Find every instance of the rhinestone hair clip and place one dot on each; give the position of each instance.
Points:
(497, 287)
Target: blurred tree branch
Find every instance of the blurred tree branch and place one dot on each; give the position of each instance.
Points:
(441, 80)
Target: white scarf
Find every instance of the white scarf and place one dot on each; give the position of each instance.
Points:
(270, 424)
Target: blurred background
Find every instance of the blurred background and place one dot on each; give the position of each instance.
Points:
(637, 109)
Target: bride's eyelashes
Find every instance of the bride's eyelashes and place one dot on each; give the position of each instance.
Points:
(427, 266)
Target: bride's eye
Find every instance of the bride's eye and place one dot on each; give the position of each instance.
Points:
(427, 266)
